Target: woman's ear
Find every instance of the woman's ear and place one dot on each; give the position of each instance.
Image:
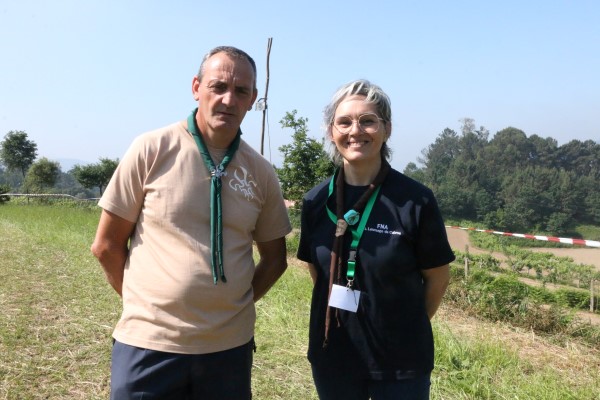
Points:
(329, 133)
(388, 129)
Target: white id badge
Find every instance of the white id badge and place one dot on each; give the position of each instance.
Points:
(344, 298)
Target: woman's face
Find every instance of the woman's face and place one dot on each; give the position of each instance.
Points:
(358, 132)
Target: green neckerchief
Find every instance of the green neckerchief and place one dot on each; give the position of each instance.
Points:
(216, 211)
(352, 217)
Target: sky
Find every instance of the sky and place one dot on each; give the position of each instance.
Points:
(84, 78)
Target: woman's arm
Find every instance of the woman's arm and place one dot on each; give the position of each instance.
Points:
(436, 282)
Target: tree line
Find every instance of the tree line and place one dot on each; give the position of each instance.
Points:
(511, 181)
(22, 172)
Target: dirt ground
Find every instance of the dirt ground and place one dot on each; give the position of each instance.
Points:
(459, 238)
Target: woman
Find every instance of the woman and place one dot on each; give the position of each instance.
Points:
(378, 254)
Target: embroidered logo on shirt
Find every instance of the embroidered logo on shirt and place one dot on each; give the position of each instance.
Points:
(242, 184)
(382, 228)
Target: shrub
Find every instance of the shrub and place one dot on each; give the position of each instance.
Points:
(3, 197)
(574, 298)
(504, 298)
(542, 295)
(483, 261)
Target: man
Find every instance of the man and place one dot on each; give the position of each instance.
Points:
(175, 237)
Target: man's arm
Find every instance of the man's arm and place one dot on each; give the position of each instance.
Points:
(110, 247)
(436, 282)
(271, 266)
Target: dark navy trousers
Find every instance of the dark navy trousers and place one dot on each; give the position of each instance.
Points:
(142, 374)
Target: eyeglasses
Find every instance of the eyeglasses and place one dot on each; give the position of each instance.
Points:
(367, 123)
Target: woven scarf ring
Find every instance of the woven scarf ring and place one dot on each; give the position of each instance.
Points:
(337, 249)
(216, 212)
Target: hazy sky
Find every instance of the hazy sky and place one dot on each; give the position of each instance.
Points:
(83, 78)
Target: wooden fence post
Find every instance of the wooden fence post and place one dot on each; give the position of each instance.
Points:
(466, 261)
(592, 296)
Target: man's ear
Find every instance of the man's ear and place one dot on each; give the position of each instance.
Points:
(195, 87)
(254, 96)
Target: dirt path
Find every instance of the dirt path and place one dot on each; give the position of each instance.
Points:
(581, 255)
(459, 239)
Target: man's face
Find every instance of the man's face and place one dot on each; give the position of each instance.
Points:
(224, 95)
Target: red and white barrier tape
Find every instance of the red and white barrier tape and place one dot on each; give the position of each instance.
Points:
(581, 242)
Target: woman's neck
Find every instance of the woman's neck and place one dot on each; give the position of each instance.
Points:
(361, 175)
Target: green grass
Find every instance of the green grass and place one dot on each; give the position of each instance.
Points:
(57, 315)
(589, 232)
(484, 368)
(281, 370)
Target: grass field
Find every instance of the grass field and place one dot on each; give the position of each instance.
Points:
(57, 315)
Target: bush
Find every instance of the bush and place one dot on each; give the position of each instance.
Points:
(3, 197)
(483, 261)
(574, 298)
(542, 295)
(551, 320)
(504, 298)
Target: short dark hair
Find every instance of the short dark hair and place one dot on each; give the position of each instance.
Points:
(231, 51)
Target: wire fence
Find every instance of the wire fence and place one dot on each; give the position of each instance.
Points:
(50, 195)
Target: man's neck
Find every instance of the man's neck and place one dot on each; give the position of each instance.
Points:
(216, 140)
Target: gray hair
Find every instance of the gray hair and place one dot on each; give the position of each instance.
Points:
(373, 94)
(232, 52)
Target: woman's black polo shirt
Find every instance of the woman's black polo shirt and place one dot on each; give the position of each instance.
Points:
(390, 335)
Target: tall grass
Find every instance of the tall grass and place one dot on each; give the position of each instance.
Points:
(485, 368)
(57, 315)
(56, 310)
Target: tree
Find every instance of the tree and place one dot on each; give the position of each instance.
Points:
(17, 152)
(67, 184)
(42, 175)
(439, 156)
(580, 157)
(11, 179)
(467, 125)
(543, 152)
(95, 175)
(305, 162)
(412, 171)
(509, 149)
